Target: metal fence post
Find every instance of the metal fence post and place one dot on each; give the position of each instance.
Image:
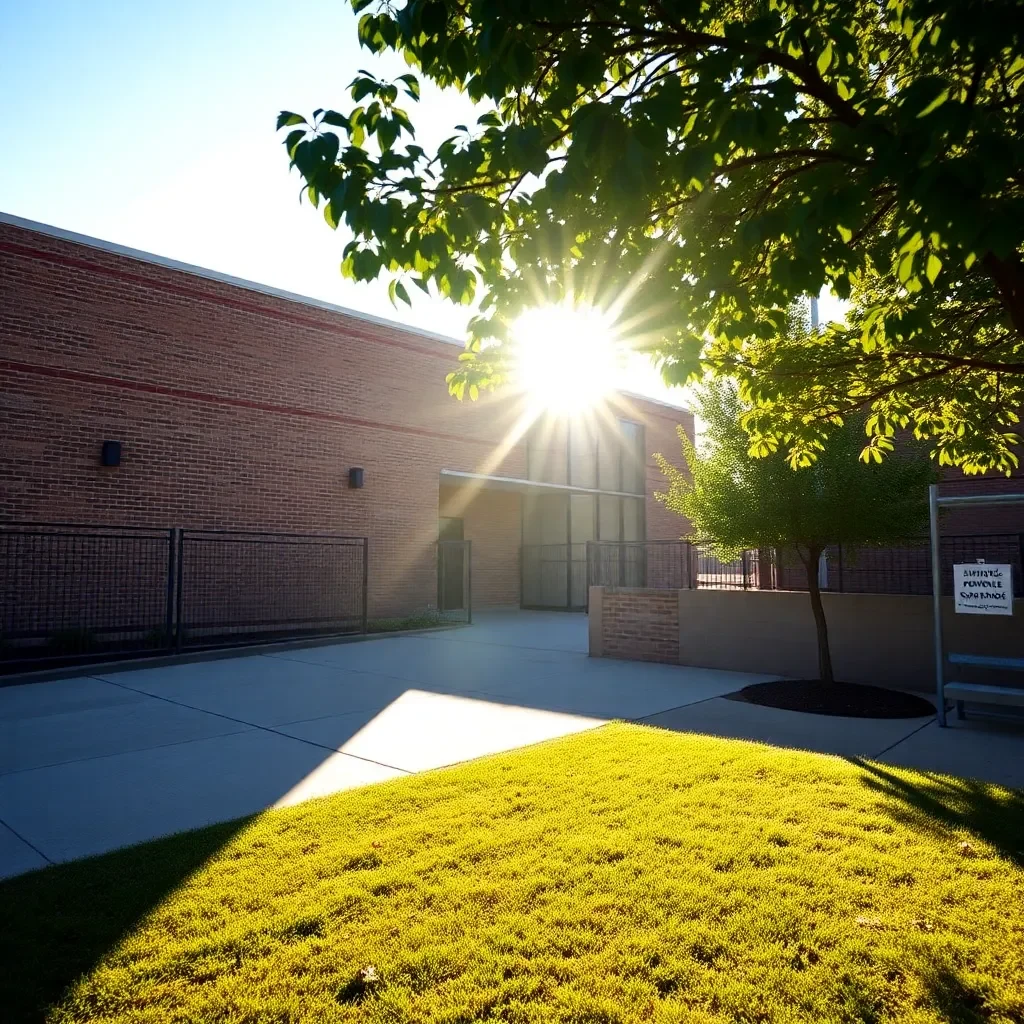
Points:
(743, 563)
(366, 584)
(172, 557)
(469, 582)
(933, 529)
(586, 598)
(179, 632)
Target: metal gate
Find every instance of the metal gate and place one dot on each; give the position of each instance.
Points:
(553, 577)
(455, 580)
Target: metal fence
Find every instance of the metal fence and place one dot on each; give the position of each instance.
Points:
(894, 569)
(238, 587)
(72, 593)
(900, 568)
(668, 565)
(553, 576)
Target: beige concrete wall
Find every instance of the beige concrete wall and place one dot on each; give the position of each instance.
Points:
(885, 639)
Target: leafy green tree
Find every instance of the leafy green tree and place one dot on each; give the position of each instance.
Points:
(695, 165)
(737, 501)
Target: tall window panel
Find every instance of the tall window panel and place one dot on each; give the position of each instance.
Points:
(546, 452)
(583, 452)
(609, 457)
(632, 519)
(634, 458)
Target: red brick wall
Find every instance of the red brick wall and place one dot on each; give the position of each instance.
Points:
(245, 410)
(640, 625)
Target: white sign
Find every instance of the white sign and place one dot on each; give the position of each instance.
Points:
(981, 588)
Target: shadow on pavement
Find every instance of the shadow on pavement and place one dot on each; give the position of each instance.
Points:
(936, 803)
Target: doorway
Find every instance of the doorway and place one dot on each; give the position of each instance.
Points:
(451, 556)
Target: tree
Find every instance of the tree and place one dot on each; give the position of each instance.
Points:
(738, 501)
(696, 165)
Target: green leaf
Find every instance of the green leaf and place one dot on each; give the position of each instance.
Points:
(933, 267)
(287, 118)
(825, 59)
(935, 103)
(292, 139)
(332, 117)
(412, 85)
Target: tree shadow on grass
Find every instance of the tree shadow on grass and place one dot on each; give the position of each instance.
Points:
(58, 923)
(956, 1001)
(935, 803)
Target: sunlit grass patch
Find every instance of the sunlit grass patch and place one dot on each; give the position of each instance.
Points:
(624, 874)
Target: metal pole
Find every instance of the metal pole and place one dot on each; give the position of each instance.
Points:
(179, 636)
(469, 582)
(586, 599)
(933, 530)
(442, 564)
(366, 584)
(172, 551)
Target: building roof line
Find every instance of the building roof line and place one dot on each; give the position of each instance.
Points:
(215, 275)
(141, 256)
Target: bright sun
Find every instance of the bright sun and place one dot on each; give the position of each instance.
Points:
(566, 357)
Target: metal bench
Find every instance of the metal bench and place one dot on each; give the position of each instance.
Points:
(983, 693)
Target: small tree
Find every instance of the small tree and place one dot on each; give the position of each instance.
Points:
(738, 501)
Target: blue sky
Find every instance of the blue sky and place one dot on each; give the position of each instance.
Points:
(152, 125)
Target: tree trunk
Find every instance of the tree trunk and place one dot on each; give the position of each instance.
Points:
(824, 655)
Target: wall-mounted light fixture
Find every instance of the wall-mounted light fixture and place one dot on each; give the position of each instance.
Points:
(110, 453)
(355, 477)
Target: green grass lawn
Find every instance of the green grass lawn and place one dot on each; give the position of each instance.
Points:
(624, 874)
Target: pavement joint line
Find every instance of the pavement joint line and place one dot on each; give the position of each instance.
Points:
(679, 707)
(14, 832)
(254, 726)
(118, 753)
(903, 739)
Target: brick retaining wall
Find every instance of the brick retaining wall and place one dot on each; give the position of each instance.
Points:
(639, 625)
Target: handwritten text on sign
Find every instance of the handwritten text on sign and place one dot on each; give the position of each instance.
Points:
(983, 589)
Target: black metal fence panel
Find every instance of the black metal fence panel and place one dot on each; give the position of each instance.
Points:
(553, 576)
(902, 568)
(894, 569)
(240, 587)
(669, 565)
(70, 592)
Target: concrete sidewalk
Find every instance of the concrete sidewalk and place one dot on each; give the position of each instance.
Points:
(97, 762)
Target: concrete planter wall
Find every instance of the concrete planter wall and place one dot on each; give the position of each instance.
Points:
(885, 639)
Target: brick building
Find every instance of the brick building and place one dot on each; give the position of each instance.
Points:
(241, 407)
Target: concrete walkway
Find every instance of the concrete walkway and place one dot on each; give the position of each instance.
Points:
(101, 761)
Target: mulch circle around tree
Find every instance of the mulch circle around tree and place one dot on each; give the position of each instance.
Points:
(851, 700)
